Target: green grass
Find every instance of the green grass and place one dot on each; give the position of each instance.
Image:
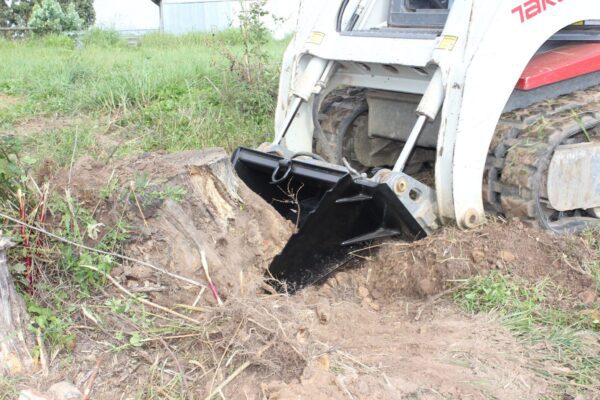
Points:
(527, 311)
(169, 93)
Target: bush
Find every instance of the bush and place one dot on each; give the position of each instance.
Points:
(58, 41)
(71, 20)
(102, 38)
(49, 17)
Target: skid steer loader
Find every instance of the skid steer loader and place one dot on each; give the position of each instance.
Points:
(396, 117)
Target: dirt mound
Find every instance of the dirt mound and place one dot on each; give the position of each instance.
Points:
(362, 354)
(439, 262)
(177, 205)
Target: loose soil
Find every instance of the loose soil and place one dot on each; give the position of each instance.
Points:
(378, 329)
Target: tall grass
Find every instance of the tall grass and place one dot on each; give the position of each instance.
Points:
(176, 92)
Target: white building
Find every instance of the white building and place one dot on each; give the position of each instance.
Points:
(121, 15)
(182, 16)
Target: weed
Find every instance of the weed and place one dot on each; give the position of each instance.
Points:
(497, 292)
(175, 193)
(78, 225)
(111, 187)
(54, 330)
(118, 306)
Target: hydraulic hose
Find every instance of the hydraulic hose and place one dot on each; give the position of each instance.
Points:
(344, 128)
(329, 154)
(340, 16)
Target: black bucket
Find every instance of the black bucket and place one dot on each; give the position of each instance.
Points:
(335, 214)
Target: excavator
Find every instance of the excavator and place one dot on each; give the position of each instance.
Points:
(397, 117)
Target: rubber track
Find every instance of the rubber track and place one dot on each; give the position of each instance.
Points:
(523, 146)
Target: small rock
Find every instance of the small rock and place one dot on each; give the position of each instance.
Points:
(588, 297)
(363, 292)
(64, 391)
(323, 313)
(32, 394)
(507, 256)
(422, 330)
(478, 256)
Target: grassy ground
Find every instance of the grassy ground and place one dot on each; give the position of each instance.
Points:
(167, 93)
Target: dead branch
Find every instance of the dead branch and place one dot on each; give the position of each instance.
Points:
(137, 298)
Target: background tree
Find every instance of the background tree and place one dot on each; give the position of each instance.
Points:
(18, 12)
(5, 15)
(15, 14)
(49, 17)
(84, 8)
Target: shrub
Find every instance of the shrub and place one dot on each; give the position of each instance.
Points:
(71, 20)
(49, 17)
(102, 38)
(58, 41)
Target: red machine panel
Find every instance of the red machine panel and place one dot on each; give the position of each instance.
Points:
(560, 64)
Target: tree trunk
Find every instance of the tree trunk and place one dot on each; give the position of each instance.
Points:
(15, 358)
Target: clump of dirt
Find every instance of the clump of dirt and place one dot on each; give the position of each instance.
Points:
(177, 206)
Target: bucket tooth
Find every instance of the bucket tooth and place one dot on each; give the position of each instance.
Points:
(334, 207)
(353, 199)
(378, 234)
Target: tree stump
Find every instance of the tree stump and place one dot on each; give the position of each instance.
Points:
(190, 203)
(15, 358)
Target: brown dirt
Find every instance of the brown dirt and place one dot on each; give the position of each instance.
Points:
(7, 101)
(40, 124)
(371, 331)
(439, 262)
(389, 355)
